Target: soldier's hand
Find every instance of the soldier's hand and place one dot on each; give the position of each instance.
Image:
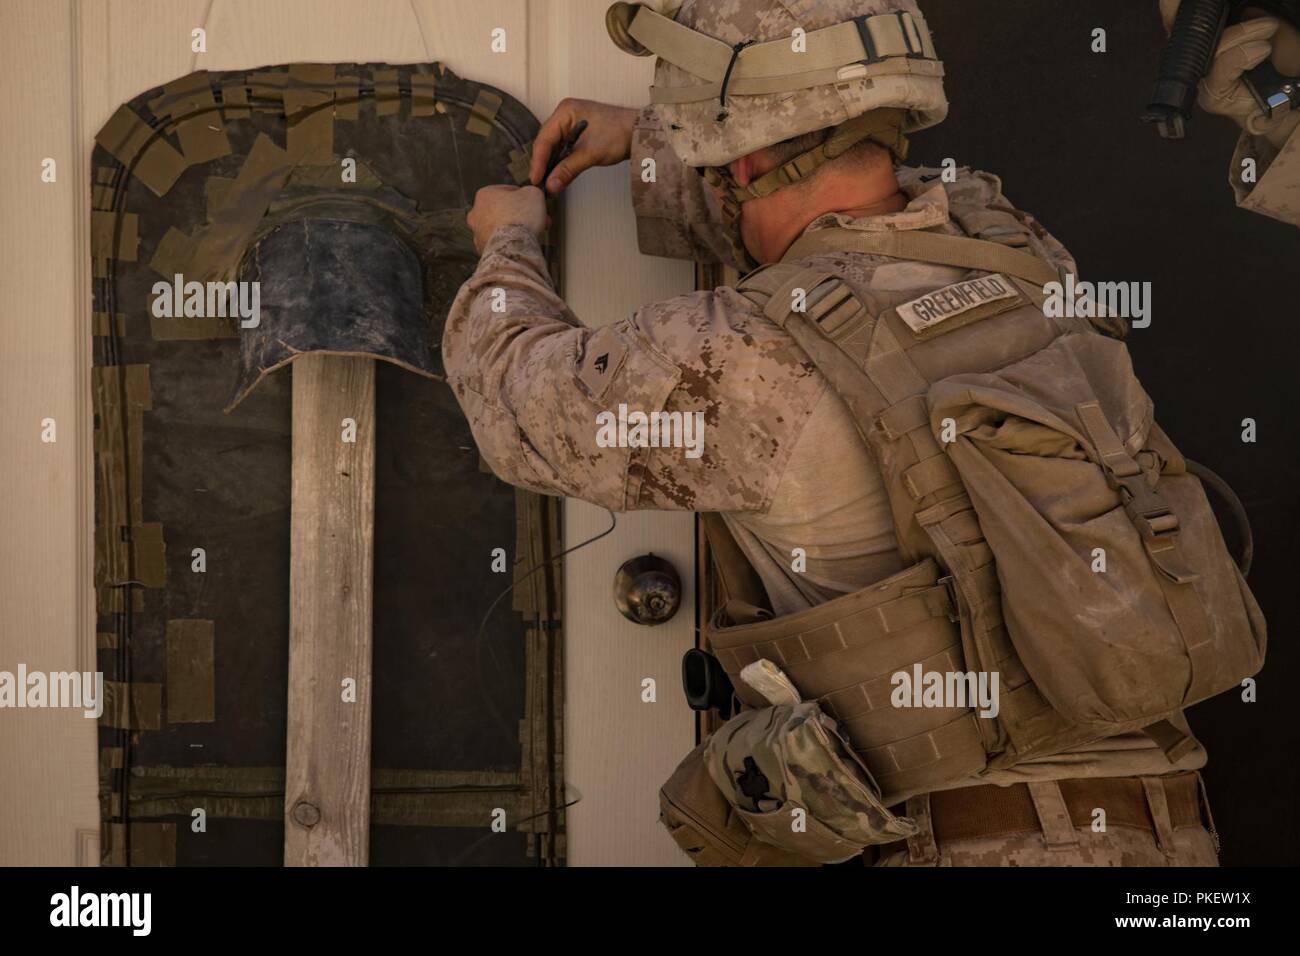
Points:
(607, 140)
(497, 206)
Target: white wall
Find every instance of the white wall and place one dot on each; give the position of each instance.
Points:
(65, 66)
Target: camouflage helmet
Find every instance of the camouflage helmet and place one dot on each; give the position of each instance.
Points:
(734, 76)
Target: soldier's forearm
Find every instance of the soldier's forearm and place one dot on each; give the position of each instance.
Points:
(508, 303)
(1265, 176)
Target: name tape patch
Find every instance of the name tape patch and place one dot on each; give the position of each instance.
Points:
(929, 310)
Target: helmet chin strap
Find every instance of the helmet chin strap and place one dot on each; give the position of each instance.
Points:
(883, 126)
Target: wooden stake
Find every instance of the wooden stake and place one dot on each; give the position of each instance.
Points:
(327, 766)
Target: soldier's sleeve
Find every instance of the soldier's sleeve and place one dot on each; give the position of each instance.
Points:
(677, 214)
(564, 409)
(1276, 190)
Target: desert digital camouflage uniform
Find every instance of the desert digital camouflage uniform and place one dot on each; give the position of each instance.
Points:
(782, 460)
(1276, 193)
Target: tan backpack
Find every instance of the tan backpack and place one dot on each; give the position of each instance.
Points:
(1055, 534)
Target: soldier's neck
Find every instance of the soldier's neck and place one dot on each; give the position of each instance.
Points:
(874, 192)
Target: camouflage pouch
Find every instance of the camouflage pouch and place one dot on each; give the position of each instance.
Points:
(797, 785)
(707, 827)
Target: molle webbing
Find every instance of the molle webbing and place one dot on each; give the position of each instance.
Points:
(844, 654)
(890, 44)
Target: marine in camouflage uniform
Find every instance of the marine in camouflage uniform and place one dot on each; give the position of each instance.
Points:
(782, 460)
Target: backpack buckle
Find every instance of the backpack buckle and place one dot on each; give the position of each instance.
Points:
(1148, 511)
(949, 583)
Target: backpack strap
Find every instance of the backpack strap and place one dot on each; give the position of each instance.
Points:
(933, 247)
(870, 369)
(882, 390)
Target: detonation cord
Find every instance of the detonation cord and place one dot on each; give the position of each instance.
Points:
(482, 628)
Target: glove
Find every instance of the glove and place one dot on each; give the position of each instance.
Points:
(1243, 47)
(1223, 91)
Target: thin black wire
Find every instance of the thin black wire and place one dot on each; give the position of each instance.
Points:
(487, 836)
(482, 628)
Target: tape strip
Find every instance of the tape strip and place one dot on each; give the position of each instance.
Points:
(234, 102)
(191, 329)
(105, 379)
(110, 758)
(520, 160)
(110, 799)
(216, 189)
(221, 241)
(423, 94)
(173, 256)
(331, 176)
(310, 138)
(150, 553)
(347, 97)
(482, 113)
(140, 709)
(115, 511)
(117, 545)
(99, 324)
(202, 137)
(101, 196)
(152, 844)
(125, 136)
(190, 682)
(267, 87)
(102, 227)
(387, 99)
